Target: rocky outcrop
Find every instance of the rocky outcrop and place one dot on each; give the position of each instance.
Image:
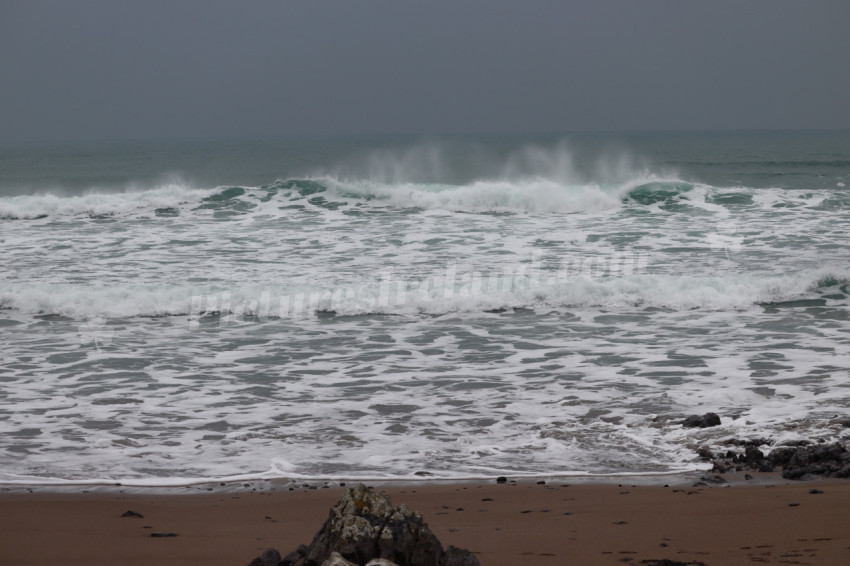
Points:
(804, 461)
(365, 529)
(830, 460)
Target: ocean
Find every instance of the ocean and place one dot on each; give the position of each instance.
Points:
(404, 308)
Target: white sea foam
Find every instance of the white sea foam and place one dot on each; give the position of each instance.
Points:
(465, 395)
(100, 203)
(735, 301)
(435, 295)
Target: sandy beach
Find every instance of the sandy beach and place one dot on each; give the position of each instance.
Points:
(503, 524)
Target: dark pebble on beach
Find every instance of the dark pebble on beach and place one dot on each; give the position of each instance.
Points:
(501, 479)
(815, 491)
(163, 535)
(133, 514)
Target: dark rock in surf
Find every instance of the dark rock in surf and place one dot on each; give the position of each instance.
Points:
(704, 421)
(780, 456)
(765, 467)
(801, 460)
(830, 460)
(705, 454)
(752, 456)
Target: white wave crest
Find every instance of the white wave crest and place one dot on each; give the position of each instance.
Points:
(529, 195)
(99, 203)
(534, 179)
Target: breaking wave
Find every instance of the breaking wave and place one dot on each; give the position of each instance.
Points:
(99, 204)
(425, 177)
(537, 195)
(436, 295)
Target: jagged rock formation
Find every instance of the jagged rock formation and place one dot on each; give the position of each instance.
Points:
(365, 529)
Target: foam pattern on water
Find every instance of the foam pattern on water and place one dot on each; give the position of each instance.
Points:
(498, 327)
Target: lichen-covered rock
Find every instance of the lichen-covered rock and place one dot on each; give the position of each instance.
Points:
(365, 528)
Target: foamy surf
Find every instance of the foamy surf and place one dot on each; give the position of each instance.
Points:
(421, 314)
(99, 204)
(435, 295)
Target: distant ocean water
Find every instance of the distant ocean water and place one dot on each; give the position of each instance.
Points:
(398, 308)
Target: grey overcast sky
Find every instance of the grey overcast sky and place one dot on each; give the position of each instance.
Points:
(117, 69)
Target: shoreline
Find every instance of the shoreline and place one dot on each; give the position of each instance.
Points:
(675, 479)
(560, 521)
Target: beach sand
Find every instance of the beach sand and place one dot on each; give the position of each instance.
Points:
(504, 524)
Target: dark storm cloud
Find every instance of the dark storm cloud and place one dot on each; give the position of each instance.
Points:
(117, 69)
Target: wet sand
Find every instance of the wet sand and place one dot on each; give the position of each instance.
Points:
(504, 524)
